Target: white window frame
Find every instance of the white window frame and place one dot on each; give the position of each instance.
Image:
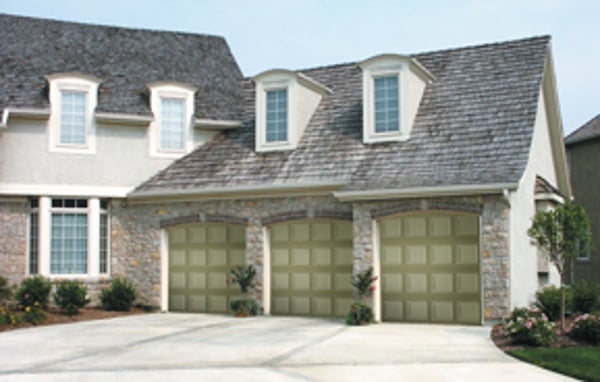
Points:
(283, 82)
(93, 211)
(369, 75)
(178, 91)
(588, 253)
(79, 83)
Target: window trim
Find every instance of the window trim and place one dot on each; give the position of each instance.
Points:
(71, 211)
(78, 83)
(171, 90)
(278, 83)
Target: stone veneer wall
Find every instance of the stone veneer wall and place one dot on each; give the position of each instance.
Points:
(13, 240)
(136, 234)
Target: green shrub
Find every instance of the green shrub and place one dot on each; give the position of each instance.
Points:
(118, 296)
(362, 283)
(586, 297)
(548, 300)
(244, 277)
(70, 296)
(34, 290)
(586, 328)
(34, 314)
(5, 291)
(244, 306)
(9, 318)
(529, 327)
(359, 314)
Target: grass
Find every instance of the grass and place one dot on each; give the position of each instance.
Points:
(578, 362)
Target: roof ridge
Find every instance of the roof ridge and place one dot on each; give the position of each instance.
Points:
(110, 26)
(582, 127)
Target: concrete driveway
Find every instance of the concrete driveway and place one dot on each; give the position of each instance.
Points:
(182, 347)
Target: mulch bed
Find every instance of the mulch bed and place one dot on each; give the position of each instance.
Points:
(54, 316)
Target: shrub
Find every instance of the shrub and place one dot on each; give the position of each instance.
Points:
(359, 314)
(244, 306)
(5, 291)
(9, 318)
(586, 297)
(362, 283)
(118, 296)
(34, 314)
(244, 277)
(529, 327)
(34, 290)
(586, 328)
(70, 296)
(548, 300)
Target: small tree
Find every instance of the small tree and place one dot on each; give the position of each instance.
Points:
(561, 234)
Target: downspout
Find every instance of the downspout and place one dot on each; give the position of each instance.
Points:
(506, 196)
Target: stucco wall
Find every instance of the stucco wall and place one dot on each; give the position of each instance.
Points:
(524, 269)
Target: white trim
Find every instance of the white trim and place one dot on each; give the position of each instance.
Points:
(266, 236)
(36, 114)
(302, 78)
(288, 84)
(44, 226)
(72, 82)
(377, 295)
(470, 189)
(262, 189)
(481, 291)
(93, 244)
(118, 118)
(212, 124)
(550, 197)
(164, 270)
(64, 190)
(420, 69)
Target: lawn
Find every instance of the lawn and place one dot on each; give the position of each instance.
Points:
(578, 362)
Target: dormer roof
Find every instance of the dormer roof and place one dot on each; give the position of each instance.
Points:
(474, 127)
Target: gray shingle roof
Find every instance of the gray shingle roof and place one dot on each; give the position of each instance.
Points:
(474, 126)
(589, 130)
(126, 59)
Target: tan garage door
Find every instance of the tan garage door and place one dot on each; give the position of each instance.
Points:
(311, 266)
(200, 256)
(430, 268)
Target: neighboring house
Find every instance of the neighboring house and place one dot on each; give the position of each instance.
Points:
(428, 167)
(583, 149)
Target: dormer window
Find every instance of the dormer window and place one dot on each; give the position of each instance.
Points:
(73, 98)
(172, 130)
(285, 103)
(387, 104)
(392, 89)
(277, 115)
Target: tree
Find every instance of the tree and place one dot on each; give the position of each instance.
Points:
(561, 234)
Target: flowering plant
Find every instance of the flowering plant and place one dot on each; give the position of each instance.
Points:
(363, 283)
(529, 327)
(586, 328)
(244, 277)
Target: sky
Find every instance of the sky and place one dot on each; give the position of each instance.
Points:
(296, 34)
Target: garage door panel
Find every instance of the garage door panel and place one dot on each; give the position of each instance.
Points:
(430, 268)
(200, 257)
(311, 267)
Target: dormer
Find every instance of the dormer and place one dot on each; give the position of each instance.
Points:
(393, 86)
(73, 99)
(285, 103)
(172, 130)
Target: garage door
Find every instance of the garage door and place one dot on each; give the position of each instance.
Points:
(430, 268)
(200, 256)
(311, 267)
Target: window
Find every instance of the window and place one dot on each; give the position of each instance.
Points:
(276, 115)
(172, 124)
(387, 104)
(584, 254)
(73, 99)
(69, 236)
(72, 118)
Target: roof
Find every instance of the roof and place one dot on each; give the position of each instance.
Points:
(127, 60)
(542, 186)
(474, 127)
(589, 130)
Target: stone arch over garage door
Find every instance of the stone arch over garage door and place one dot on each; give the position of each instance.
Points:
(311, 266)
(199, 258)
(430, 267)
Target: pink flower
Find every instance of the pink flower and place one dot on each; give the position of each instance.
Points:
(373, 288)
(528, 324)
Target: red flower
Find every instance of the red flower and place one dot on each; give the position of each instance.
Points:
(373, 288)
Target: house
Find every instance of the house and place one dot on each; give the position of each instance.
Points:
(146, 154)
(583, 150)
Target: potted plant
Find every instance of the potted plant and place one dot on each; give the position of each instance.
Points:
(360, 313)
(243, 306)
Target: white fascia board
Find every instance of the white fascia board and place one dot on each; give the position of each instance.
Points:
(416, 192)
(212, 124)
(19, 189)
(37, 114)
(118, 118)
(550, 197)
(227, 192)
